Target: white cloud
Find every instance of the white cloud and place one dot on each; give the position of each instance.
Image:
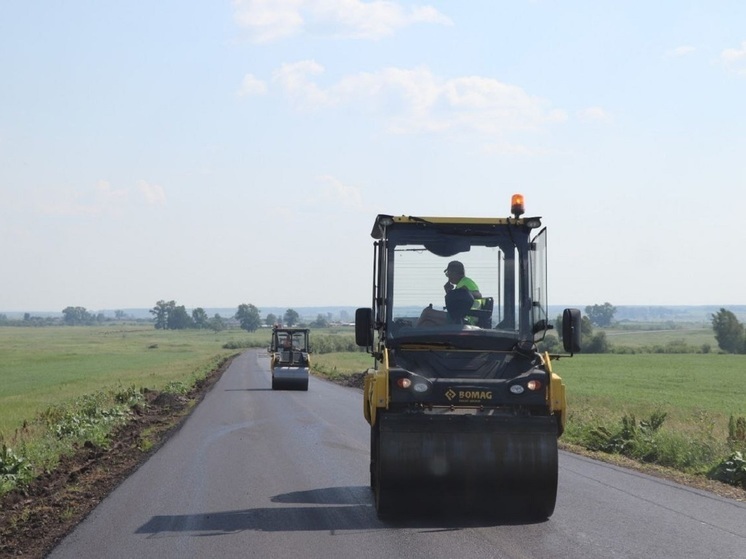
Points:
(505, 148)
(269, 20)
(735, 59)
(272, 20)
(294, 79)
(340, 193)
(679, 51)
(98, 200)
(594, 114)
(250, 85)
(415, 100)
(153, 193)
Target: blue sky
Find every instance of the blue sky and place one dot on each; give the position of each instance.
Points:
(219, 153)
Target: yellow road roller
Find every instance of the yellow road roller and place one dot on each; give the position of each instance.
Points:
(463, 404)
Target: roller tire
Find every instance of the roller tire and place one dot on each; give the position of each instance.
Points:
(387, 500)
(373, 456)
(542, 502)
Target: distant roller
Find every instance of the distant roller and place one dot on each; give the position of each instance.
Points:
(289, 358)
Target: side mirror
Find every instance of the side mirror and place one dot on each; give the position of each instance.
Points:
(571, 330)
(364, 327)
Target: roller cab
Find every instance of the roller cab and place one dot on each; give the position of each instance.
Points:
(289, 358)
(463, 404)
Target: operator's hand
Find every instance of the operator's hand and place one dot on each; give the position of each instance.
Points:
(448, 286)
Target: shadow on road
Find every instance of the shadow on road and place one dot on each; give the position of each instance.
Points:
(356, 495)
(328, 509)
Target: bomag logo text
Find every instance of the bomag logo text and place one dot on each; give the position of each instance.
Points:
(469, 395)
(474, 395)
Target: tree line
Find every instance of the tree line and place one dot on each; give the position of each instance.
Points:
(167, 315)
(730, 334)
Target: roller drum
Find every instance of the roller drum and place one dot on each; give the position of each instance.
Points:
(485, 463)
(290, 378)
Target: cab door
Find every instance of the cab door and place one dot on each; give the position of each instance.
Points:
(539, 299)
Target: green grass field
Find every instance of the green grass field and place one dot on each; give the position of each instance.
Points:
(44, 367)
(686, 386)
(698, 392)
(690, 388)
(696, 337)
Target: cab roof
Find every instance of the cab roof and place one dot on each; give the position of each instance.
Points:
(384, 220)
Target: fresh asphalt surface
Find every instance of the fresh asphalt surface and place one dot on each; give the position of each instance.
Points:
(261, 473)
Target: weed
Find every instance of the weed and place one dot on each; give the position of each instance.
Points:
(176, 387)
(737, 431)
(14, 469)
(732, 470)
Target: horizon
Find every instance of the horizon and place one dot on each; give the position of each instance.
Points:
(273, 309)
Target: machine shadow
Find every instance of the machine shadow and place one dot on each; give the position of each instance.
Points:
(327, 509)
(425, 512)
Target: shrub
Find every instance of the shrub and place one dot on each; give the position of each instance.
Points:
(334, 344)
(12, 466)
(242, 344)
(732, 470)
(632, 439)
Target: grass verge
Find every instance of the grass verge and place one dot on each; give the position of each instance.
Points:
(685, 413)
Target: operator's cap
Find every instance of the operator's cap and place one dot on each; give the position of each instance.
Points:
(455, 266)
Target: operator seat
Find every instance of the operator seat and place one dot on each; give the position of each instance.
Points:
(484, 313)
(458, 303)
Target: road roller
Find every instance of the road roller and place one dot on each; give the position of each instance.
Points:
(463, 404)
(290, 362)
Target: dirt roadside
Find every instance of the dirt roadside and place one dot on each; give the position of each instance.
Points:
(34, 520)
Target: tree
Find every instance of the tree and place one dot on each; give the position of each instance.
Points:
(601, 315)
(248, 316)
(597, 344)
(320, 322)
(291, 317)
(76, 316)
(270, 320)
(200, 318)
(179, 319)
(161, 312)
(729, 333)
(217, 324)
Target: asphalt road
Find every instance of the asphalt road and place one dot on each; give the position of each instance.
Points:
(261, 473)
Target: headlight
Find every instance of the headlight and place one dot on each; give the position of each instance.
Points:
(533, 385)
